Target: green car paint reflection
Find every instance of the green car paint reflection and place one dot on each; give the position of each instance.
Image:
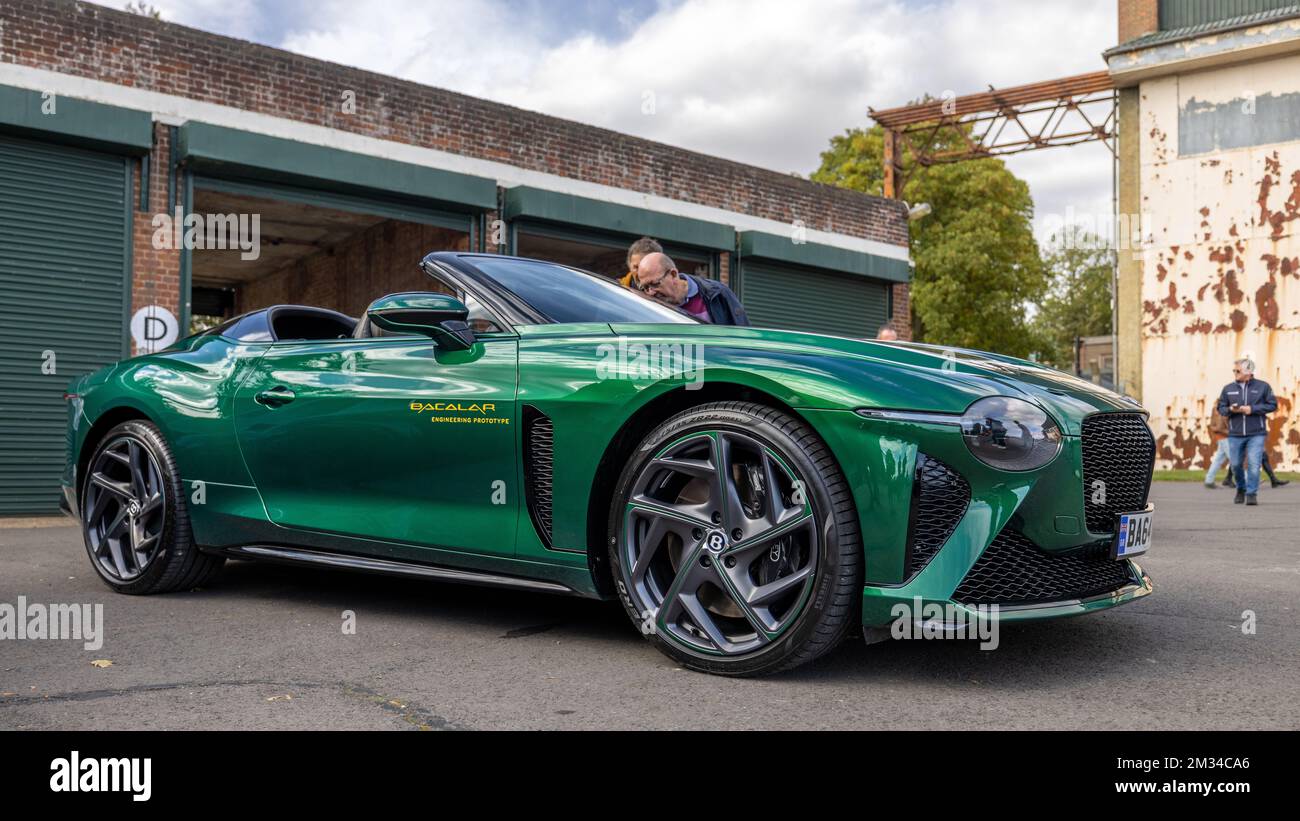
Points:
(368, 423)
(402, 449)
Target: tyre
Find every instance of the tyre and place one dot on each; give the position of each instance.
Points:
(734, 542)
(134, 516)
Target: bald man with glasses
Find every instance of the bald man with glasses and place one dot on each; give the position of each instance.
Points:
(705, 299)
(1246, 402)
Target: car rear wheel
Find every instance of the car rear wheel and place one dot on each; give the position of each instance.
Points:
(134, 516)
(734, 541)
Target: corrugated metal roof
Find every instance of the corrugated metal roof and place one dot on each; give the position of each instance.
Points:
(1177, 14)
(1216, 27)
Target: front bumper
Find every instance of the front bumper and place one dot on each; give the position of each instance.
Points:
(882, 606)
(1039, 513)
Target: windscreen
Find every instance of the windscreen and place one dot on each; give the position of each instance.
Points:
(568, 295)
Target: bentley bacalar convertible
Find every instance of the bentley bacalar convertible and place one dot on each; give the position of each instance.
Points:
(751, 496)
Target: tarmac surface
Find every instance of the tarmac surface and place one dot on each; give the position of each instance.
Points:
(264, 648)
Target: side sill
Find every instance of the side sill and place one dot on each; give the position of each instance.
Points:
(366, 564)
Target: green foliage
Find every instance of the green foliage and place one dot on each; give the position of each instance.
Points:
(1077, 302)
(977, 262)
(199, 323)
(143, 9)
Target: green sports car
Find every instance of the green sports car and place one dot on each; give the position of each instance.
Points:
(751, 496)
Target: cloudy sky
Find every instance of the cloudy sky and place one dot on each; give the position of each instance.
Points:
(766, 82)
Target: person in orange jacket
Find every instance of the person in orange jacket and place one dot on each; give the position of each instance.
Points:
(635, 253)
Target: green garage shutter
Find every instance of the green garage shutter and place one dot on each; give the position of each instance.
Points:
(63, 262)
(800, 299)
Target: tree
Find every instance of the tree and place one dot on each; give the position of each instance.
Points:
(1077, 302)
(143, 9)
(977, 262)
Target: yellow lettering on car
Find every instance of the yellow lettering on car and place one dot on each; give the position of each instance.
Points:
(483, 408)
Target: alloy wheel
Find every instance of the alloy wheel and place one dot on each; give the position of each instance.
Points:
(719, 543)
(124, 509)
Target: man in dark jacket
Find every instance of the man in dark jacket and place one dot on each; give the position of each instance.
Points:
(1246, 402)
(705, 299)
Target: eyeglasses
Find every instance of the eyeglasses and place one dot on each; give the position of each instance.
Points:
(644, 287)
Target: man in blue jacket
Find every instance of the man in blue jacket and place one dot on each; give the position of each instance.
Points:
(1246, 402)
(705, 299)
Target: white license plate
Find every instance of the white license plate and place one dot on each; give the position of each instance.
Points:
(1133, 534)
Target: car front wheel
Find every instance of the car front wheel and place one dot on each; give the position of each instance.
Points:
(134, 515)
(734, 541)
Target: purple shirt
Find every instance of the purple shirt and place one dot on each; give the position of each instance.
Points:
(695, 304)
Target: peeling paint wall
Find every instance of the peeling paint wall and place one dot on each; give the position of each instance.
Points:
(1221, 266)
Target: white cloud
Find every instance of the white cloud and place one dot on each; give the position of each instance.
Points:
(473, 46)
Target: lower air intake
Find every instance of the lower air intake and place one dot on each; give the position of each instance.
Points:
(940, 497)
(1014, 571)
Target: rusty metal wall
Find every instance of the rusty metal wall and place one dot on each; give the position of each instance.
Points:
(1220, 185)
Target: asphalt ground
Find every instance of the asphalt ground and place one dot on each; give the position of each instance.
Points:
(264, 648)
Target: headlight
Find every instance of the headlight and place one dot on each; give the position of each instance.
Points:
(1010, 434)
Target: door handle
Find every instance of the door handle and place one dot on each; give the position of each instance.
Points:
(275, 397)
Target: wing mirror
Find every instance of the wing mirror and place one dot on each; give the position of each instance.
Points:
(437, 316)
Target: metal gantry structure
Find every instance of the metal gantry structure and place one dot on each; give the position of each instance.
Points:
(997, 122)
(1000, 122)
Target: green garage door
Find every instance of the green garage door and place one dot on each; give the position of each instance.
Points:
(63, 261)
(802, 299)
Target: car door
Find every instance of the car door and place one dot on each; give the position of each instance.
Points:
(387, 438)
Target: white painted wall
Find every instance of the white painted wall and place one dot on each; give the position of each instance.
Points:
(1208, 232)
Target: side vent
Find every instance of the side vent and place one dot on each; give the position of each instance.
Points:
(940, 497)
(539, 461)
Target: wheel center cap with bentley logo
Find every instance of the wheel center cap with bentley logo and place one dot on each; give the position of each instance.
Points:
(715, 541)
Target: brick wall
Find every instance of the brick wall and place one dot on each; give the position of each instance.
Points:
(104, 44)
(157, 271)
(1137, 17)
(92, 41)
(902, 318)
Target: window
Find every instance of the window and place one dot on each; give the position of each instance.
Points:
(599, 254)
(479, 320)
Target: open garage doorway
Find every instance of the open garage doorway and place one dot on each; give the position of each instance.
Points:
(327, 251)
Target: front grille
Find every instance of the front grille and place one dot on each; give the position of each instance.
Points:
(1118, 456)
(539, 460)
(939, 499)
(1014, 571)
